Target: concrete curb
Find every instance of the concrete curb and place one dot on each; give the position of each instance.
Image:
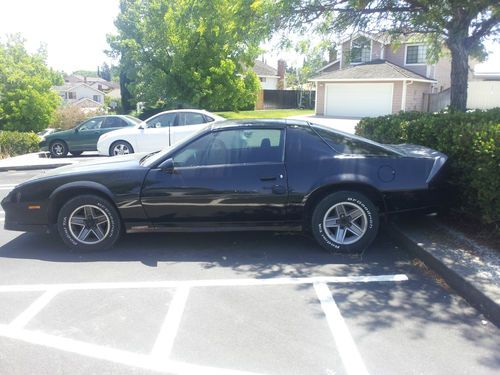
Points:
(32, 167)
(467, 290)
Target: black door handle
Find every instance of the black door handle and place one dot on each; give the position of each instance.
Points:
(268, 178)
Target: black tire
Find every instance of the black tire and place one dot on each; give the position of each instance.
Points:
(58, 149)
(341, 235)
(76, 153)
(124, 145)
(102, 209)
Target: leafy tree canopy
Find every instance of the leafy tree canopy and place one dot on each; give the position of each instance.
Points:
(27, 102)
(104, 71)
(460, 25)
(86, 73)
(191, 52)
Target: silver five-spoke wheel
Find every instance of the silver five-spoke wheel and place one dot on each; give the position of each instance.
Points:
(121, 149)
(89, 224)
(345, 223)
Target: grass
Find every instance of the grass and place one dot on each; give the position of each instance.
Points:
(266, 113)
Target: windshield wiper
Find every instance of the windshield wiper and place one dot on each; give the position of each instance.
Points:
(143, 159)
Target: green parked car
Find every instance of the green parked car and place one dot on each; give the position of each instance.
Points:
(84, 136)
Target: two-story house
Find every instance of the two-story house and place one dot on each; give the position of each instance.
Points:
(81, 95)
(370, 77)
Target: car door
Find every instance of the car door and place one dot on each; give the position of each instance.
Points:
(229, 177)
(156, 135)
(187, 124)
(86, 135)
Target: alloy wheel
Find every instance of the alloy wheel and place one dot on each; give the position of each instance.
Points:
(57, 149)
(89, 224)
(121, 149)
(345, 223)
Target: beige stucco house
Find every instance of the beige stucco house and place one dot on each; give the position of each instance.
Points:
(371, 77)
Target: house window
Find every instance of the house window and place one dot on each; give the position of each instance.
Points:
(360, 50)
(97, 98)
(262, 79)
(416, 54)
(71, 95)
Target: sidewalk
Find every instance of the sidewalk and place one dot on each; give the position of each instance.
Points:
(472, 270)
(38, 160)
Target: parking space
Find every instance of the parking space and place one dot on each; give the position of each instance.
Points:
(233, 303)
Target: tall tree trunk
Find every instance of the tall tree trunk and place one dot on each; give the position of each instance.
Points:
(459, 74)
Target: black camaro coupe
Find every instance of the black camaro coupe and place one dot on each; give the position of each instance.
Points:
(235, 175)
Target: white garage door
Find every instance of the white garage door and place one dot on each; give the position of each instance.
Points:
(358, 99)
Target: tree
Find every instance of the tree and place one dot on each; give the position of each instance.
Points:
(27, 102)
(190, 52)
(104, 72)
(460, 25)
(314, 58)
(86, 73)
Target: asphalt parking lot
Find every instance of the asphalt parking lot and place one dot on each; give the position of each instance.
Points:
(232, 303)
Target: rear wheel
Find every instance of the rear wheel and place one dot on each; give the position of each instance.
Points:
(58, 149)
(121, 148)
(345, 222)
(88, 223)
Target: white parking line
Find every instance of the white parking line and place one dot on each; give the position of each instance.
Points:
(34, 309)
(165, 340)
(159, 359)
(113, 355)
(353, 363)
(198, 283)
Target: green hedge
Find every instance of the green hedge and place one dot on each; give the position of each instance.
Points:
(471, 140)
(17, 143)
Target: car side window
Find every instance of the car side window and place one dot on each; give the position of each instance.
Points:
(304, 145)
(114, 122)
(244, 146)
(194, 153)
(162, 121)
(344, 144)
(190, 118)
(92, 124)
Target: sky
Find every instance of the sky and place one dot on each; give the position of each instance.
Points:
(75, 32)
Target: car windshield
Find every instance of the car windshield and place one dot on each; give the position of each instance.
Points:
(133, 119)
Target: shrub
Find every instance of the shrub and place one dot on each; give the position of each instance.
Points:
(66, 117)
(471, 140)
(17, 143)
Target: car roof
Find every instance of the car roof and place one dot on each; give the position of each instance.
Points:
(279, 122)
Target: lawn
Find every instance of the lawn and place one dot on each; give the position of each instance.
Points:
(266, 113)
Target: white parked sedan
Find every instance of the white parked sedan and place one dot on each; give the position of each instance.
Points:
(157, 132)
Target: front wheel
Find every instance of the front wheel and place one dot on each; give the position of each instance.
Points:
(120, 148)
(89, 223)
(345, 222)
(58, 149)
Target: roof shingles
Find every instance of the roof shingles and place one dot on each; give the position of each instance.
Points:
(375, 69)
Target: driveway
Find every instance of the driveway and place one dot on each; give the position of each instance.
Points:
(343, 124)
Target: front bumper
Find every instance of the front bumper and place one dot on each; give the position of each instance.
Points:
(19, 217)
(43, 145)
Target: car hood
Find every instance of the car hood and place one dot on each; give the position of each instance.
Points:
(101, 165)
(62, 133)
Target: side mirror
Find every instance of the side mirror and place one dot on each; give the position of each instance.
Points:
(167, 166)
(76, 130)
